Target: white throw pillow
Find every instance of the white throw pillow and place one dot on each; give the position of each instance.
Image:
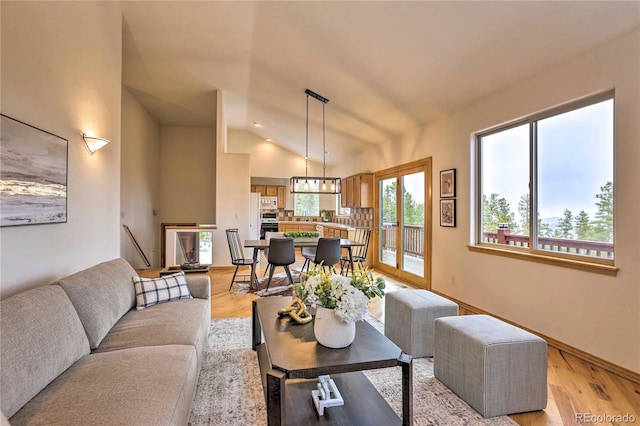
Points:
(158, 290)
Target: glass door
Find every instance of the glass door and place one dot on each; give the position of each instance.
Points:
(412, 223)
(404, 222)
(388, 221)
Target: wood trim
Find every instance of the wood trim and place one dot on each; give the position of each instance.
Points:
(578, 353)
(548, 260)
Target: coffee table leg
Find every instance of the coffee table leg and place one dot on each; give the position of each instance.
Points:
(275, 397)
(406, 363)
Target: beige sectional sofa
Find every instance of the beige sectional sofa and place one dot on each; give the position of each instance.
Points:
(77, 352)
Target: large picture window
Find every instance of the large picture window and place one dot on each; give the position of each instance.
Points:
(556, 167)
(307, 204)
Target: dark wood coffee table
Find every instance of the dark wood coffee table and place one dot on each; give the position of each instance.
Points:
(291, 359)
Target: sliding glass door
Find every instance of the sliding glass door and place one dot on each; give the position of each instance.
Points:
(404, 222)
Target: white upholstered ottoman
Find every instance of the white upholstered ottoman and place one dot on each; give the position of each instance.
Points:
(494, 367)
(409, 316)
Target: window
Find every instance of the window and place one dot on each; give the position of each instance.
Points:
(342, 211)
(307, 204)
(557, 167)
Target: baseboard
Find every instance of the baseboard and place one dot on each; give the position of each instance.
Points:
(578, 353)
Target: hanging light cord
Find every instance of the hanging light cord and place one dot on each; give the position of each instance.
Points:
(306, 158)
(324, 150)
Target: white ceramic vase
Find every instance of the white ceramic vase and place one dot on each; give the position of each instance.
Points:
(331, 331)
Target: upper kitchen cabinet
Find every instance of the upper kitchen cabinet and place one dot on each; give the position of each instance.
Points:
(272, 191)
(282, 197)
(357, 191)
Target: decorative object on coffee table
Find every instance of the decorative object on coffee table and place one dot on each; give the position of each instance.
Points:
(297, 311)
(339, 301)
(327, 394)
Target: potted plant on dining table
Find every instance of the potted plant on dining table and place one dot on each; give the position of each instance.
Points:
(339, 302)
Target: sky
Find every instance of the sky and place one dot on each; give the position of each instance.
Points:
(575, 159)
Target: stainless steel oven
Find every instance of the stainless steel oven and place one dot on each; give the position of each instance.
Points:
(269, 223)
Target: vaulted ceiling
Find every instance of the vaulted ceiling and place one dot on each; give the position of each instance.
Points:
(387, 67)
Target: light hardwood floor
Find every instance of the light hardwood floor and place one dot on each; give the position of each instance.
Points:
(575, 387)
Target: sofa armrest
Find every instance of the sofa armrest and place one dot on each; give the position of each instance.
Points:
(199, 285)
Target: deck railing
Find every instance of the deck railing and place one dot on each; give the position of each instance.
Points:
(581, 247)
(413, 239)
(413, 242)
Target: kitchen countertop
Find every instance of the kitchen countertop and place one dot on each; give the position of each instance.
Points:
(330, 224)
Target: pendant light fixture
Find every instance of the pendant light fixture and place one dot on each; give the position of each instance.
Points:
(315, 184)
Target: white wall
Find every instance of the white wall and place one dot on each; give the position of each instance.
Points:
(268, 160)
(61, 72)
(596, 313)
(187, 174)
(140, 177)
(233, 182)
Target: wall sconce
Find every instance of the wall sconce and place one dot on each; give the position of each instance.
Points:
(93, 144)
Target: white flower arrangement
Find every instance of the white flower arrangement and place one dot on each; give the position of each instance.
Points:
(339, 293)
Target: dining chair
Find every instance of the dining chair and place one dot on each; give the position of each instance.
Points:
(358, 253)
(327, 254)
(267, 237)
(237, 254)
(281, 253)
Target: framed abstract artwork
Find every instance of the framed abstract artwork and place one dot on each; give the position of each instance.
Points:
(448, 183)
(33, 175)
(448, 213)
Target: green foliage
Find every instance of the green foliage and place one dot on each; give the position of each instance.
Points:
(389, 204)
(582, 225)
(413, 213)
(307, 205)
(496, 210)
(301, 234)
(565, 226)
(363, 280)
(603, 223)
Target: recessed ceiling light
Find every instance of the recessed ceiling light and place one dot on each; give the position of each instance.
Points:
(268, 139)
(255, 123)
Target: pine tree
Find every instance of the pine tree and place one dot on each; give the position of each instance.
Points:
(565, 226)
(496, 210)
(582, 226)
(524, 211)
(603, 222)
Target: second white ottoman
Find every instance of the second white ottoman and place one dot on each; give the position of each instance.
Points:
(409, 317)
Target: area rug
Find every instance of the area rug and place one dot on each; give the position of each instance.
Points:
(230, 390)
(279, 286)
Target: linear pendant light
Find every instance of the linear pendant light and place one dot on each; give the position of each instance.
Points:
(315, 184)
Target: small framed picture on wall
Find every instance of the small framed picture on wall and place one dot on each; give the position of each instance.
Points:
(448, 183)
(448, 213)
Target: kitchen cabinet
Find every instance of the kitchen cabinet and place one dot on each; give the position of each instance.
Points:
(272, 191)
(282, 197)
(262, 189)
(357, 191)
(296, 226)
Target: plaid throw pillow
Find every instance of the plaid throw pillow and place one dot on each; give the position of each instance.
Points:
(153, 291)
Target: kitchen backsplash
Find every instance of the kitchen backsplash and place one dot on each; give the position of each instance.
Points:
(357, 218)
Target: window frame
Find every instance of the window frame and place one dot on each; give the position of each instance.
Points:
(532, 253)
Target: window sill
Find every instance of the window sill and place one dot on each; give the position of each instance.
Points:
(548, 260)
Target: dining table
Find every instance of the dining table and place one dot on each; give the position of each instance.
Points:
(258, 245)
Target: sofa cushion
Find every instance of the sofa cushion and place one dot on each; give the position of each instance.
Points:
(136, 386)
(101, 294)
(41, 337)
(151, 291)
(183, 322)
